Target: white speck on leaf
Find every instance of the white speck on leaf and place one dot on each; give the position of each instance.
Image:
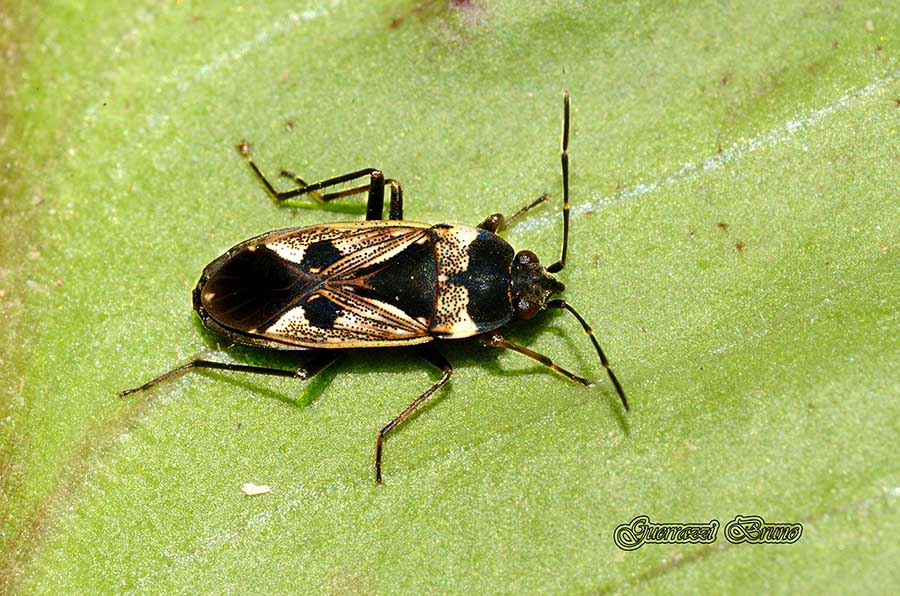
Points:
(250, 489)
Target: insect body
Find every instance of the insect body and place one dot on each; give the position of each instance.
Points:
(377, 284)
(360, 285)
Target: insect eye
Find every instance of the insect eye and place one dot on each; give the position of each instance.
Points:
(526, 257)
(526, 309)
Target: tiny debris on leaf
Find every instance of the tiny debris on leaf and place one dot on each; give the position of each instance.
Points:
(250, 489)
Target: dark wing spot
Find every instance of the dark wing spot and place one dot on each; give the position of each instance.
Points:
(321, 312)
(319, 255)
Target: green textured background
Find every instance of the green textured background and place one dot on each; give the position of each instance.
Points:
(736, 169)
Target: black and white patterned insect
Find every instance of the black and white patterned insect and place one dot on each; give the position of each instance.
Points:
(378, 284)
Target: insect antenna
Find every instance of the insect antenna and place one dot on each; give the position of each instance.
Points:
(564, 160)
(587, 329)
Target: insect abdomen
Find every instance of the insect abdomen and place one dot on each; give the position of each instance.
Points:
(326, 286)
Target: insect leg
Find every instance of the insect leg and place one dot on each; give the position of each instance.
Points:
(564, 158)
(498, 341)
(396, 212)
(430, 353)
(495, 222)
(318, 362)
(587, 329)
(375, 187)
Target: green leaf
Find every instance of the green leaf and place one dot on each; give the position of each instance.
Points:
(734, 244)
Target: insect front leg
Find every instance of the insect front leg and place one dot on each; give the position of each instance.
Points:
(374, 188)
(429, 353)
(498, 341)
(495, 222)
(319, 361)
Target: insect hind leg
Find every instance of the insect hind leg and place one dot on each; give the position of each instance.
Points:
(319, 361)
(396, 212)
(374, 188)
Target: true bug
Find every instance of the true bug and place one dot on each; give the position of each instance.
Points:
(376, 284)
